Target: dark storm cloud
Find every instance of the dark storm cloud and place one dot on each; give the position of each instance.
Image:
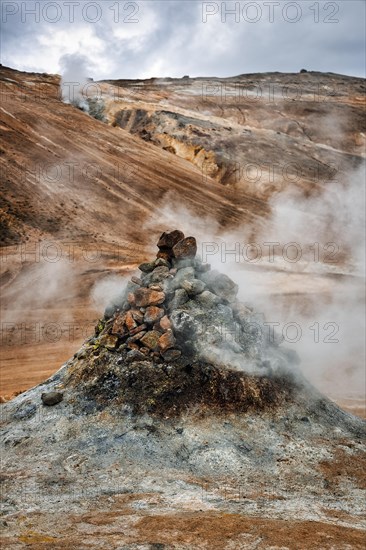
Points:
(172, 38)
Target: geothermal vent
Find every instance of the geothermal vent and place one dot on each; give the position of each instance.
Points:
(180, 416)
(178, 336)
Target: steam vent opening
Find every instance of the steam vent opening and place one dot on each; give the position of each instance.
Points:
(178, 338)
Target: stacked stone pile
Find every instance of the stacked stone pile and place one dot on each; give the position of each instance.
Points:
(178, 307)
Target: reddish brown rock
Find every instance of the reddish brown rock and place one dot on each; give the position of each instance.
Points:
(186, 248)
(119, 325)
(153, 314)
(137, 315)
(137, 330)
(165, 254)
(165, 323)
(131, 298)
(157, 287)
(151, 339)
(130, 321)
(147, 297)
(136, 280)
(166, 341)
(169, 239)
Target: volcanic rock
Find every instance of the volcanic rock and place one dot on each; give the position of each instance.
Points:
(220, 284)
(180, 298)
(208, 299)
(137, 315)
(131, 298)
(161, 262)
(193, 287)
(131, 344)
(193, 314)
(155, 286)
(147, 267)
(185, 274)
(168, 240)
(136, 335)
(131, 287)
(151, 339)
(165, 254)
(186, 248)
(52, 398)
(159, 274)
(147, 297)
(130, 321)
(153, 314)
(166, 341)
(119, 325)
(109, 341)
(165, 323)
(138, 329)
(166, 244)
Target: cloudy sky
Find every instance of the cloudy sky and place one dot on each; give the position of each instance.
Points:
(141, 39)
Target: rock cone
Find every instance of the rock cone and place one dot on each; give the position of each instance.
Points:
(178, 308)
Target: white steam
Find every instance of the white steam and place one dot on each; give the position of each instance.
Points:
(317, 302)
(107, 290)
(75, 69)
(34, 307)
(334, 218)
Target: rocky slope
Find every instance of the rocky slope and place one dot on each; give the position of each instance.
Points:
(63, 172)
(259, 132)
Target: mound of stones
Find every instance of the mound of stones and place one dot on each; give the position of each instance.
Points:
(178, 307)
